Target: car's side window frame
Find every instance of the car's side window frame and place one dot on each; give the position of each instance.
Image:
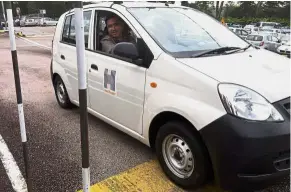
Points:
(71, 14)
(96, 31)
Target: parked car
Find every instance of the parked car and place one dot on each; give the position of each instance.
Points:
(284, 49)
(268, 24)
(274, 32)
(46, 21)
(31, 21)
(211, 106)
(285, 39)
(265, 41)
(251, 29)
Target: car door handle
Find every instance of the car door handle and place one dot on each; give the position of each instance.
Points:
(63, 57)
(95, 67)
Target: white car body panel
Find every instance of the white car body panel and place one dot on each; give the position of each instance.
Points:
(195, 98)
(254, 69)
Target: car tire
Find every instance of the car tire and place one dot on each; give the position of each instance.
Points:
(62, 94)
(177, 139)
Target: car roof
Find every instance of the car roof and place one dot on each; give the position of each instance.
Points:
(107, 4)
(129, 4)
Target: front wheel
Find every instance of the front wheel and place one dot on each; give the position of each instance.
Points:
(61, 93)
(182, 155)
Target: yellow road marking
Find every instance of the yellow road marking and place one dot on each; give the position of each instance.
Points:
(146, 177)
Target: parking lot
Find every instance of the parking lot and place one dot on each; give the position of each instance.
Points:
(54, 133)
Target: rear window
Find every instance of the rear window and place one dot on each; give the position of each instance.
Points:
(255, 38)
(69, 33)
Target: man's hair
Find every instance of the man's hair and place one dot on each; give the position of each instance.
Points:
(111, 16)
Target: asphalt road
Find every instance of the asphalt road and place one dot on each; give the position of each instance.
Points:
(54, 133)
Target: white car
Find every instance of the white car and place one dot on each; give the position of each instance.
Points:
(251, 28)
(208, 102)
(267, 24)
(264, 40)
(274, 32)
(31, 21)
(284, 49)
(48, 22)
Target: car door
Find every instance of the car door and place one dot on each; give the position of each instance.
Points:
(67, 55)
(115, 85)
(268, 42)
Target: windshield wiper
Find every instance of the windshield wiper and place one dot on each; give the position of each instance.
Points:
(215, 51)
(242, 49)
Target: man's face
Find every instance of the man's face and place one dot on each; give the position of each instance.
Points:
(115, 28)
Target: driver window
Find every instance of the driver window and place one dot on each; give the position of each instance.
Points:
(110, 30)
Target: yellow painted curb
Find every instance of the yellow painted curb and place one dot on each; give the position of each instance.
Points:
(20, 34)
(146, 177)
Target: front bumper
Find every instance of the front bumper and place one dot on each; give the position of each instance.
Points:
(249, 154)
(284, 52)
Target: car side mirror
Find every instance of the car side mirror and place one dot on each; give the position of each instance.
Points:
(127, 50)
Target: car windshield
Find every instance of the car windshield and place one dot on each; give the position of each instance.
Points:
(183, 32)
(255, 38)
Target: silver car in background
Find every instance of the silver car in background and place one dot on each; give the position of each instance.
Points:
(46, 21)
(32, 21)
(274, 32)
(266, 41)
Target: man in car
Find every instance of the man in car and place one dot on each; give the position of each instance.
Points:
(117, 32)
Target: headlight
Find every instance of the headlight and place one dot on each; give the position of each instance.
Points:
(245, 103)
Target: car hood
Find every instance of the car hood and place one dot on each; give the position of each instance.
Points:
(285, 47)
(263, 71)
